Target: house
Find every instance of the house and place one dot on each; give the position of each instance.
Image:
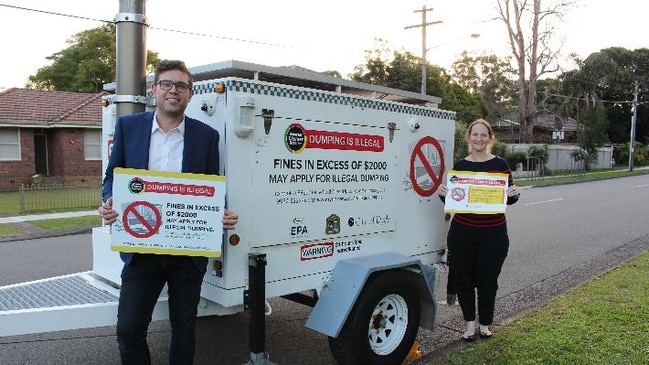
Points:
(55, 135)
(548, 128)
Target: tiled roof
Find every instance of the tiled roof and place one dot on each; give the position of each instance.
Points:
(39, 108)
(547, 121)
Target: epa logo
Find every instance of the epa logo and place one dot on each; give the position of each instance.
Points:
(299, 231)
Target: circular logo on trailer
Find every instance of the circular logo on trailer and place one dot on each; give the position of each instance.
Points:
(141, 219)
(295, 138)
(136, 185)
(426, 154)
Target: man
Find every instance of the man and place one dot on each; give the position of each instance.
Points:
(164, 140)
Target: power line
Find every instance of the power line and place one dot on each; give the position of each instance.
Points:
(232, 39)
(53, 13)
(579, 98)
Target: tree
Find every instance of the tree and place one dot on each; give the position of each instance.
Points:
(488, 77)
(374, 70)
(606, 78)
(402, 70)
(86, 65)
(468, 107)
(399, 70)
(616, 69)
(531, 50)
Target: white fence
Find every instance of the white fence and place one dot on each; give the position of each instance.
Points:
(559, 157)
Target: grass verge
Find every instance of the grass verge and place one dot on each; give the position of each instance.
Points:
(604, 322)
(68, 223)
(7, 230)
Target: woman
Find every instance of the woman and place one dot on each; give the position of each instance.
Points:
(478, 243)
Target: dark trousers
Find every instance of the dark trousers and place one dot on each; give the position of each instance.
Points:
(477, 256)
(450, 283)
(142, 281)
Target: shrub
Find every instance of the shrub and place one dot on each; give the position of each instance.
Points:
(539, 152)
(640, 154)
(515, 158)
(499, 149)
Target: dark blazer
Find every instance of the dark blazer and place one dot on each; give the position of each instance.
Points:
(131, 150)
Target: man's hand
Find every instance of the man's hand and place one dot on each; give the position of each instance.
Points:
(107, 213)
(230, 219)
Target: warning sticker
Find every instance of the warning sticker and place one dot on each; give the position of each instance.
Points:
(426, 166)
(167, 212)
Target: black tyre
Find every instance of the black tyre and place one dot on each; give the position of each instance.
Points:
(382, 326)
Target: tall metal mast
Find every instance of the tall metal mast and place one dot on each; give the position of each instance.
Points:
(130, 78)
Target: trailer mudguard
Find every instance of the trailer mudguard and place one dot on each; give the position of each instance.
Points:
(346, 283)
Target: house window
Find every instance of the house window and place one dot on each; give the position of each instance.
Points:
(92, 144)
(9, 144)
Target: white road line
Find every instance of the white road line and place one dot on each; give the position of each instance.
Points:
(545, 201)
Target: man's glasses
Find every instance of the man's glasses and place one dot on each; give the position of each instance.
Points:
(166, 85)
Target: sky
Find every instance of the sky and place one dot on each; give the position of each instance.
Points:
(318, 35)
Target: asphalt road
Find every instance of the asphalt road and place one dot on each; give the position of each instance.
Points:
(561, 236)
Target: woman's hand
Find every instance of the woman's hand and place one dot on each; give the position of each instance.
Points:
(442, 190)
(513, 191)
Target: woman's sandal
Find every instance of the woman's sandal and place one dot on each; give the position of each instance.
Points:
(468, 338)
(485, 334)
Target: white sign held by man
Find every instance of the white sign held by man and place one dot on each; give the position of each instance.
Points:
(168, 212)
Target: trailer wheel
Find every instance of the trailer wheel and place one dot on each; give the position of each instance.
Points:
(382, 326)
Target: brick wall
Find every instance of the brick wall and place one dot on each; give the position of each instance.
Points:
(66, 160)
(67, 155)
(14, 173)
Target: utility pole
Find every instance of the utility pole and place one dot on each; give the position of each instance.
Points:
(130, 71)
(634, 118)
(423, 26)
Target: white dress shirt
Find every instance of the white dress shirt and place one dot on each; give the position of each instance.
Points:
(166, 149)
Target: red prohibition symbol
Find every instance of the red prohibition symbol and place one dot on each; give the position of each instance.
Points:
(458, 194)
(133, 215)
(418, 153)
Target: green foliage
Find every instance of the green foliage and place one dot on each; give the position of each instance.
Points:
(537, 158)
(539, 152)
(402, 70)
(579, 155)
(7, 230)
(515, 158)
(467, 106)
(68, 223)
(587, 156)
(593, 132)
(86, 65)
(640, 154)
(461, 149)
(399, 70)
(333, 73)
(490, 79)
(499, 149)
(609, 75)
